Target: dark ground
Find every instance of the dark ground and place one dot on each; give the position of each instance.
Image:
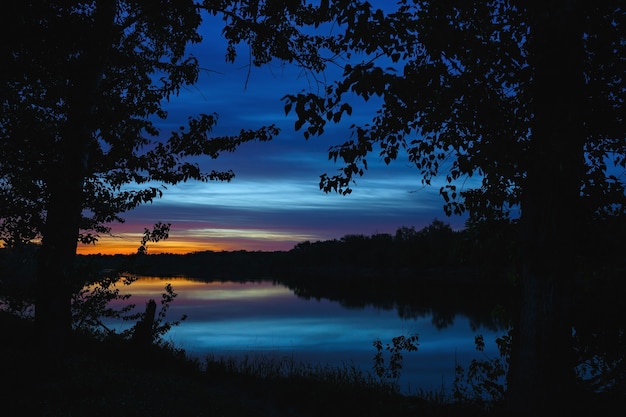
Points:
(112, 379)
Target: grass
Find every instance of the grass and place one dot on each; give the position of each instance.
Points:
(110, 377)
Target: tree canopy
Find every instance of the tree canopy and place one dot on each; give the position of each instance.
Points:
(457, 95)
(93, 80)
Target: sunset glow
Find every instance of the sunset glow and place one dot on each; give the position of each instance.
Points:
(197, 240)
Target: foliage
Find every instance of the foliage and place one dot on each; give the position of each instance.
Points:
(389, 373)
(159, 232)
(484, 383)
(603, 369)
(599, 337)
(600, 368)
(17, 280)
(161, 326)
(455, 85)
(90, 305)
(138, 58)
(435, 245)
(478, 250)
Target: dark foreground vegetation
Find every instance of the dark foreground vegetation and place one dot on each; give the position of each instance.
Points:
(114, 377)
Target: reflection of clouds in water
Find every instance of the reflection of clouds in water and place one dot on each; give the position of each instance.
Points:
(188, 289)
(249, 291)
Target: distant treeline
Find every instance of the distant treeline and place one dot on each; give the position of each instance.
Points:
(434, 247)
(434, 257)
(432, 250)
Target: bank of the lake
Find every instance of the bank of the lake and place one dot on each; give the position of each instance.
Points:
(112, 378)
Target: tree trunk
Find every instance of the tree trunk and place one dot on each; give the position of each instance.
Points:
(56, 280)
(55, 277)
(541, 375)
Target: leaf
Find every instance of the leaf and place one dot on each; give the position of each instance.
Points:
(288, 108)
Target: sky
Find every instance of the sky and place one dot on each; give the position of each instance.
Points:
(274, 201)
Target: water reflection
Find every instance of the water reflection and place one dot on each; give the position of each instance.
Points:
(235, 319)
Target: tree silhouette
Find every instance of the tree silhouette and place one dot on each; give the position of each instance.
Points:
(83, 87)
(526, 96)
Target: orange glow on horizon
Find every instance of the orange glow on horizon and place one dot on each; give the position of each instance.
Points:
(115, 246)
(128, 245)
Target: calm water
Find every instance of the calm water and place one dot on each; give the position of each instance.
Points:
(236, 319)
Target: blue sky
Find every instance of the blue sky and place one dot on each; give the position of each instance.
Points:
(274, 201)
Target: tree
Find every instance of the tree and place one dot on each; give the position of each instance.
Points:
(526, 96)
(83, 87)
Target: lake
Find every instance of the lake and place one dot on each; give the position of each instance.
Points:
(235, 319)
